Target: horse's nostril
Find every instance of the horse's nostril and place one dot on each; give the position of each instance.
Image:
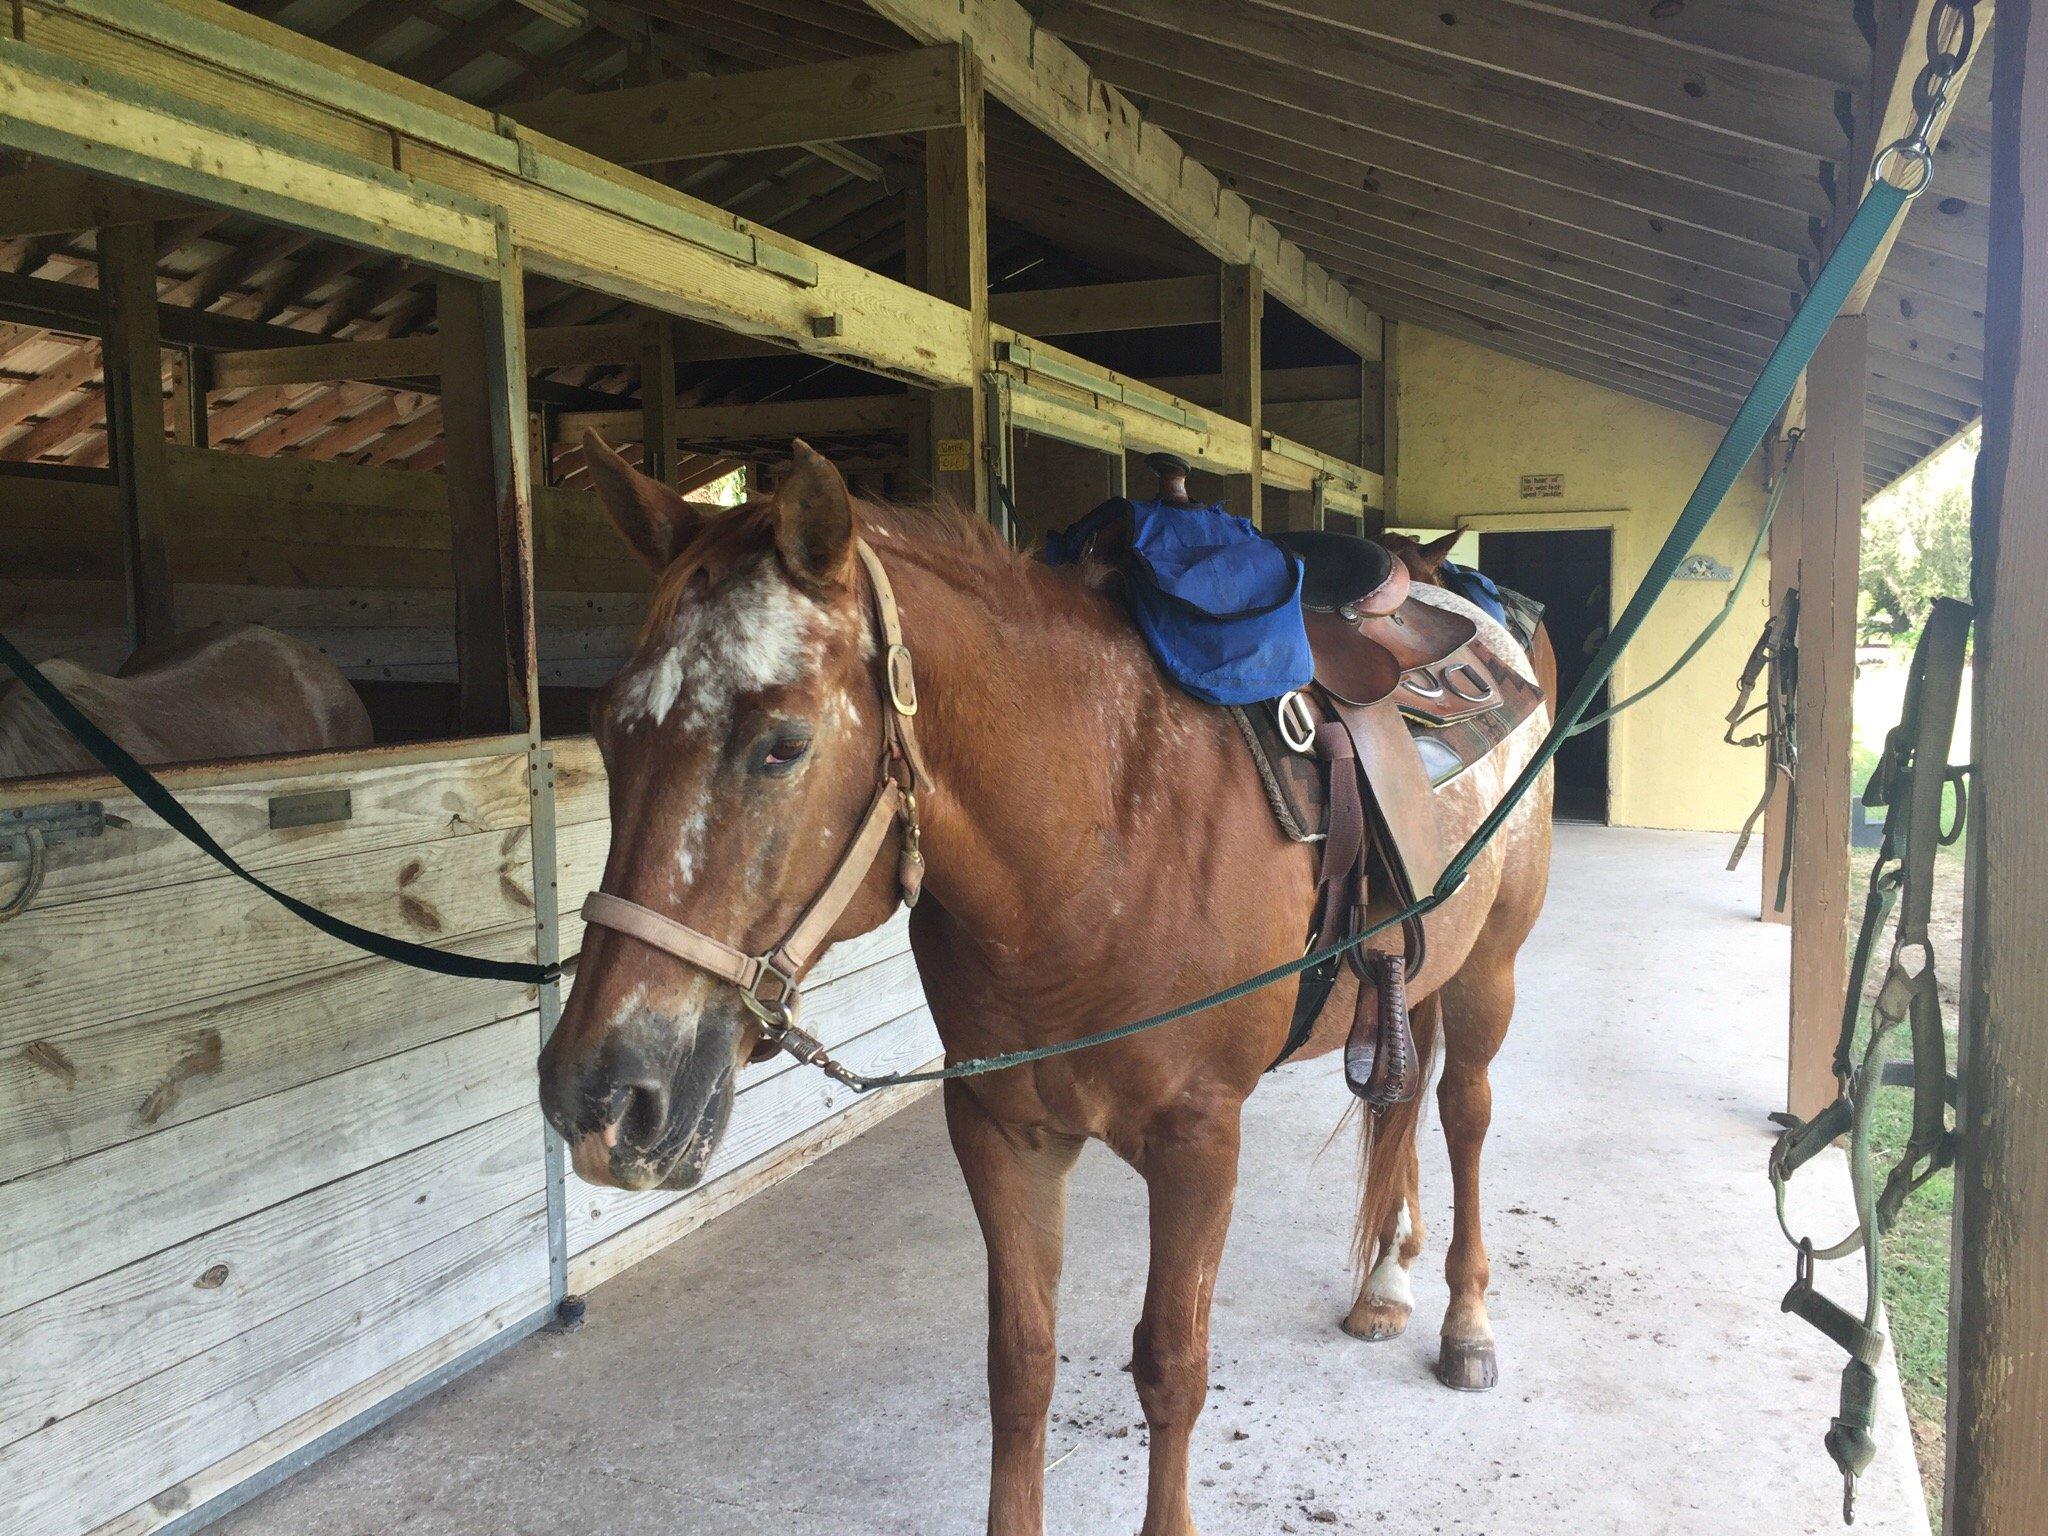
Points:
(645, 1114)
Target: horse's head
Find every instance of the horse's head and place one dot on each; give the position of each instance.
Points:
(1425, 562)
(742, 744)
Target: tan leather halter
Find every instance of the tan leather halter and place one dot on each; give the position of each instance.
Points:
(770, 983)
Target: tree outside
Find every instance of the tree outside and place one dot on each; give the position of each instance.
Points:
(1916, 545)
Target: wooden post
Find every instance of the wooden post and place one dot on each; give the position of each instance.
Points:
(1826, 502)
(1784, 552)
(658, 399)
(1998, 1314)
(1390, 436)
(483, 409)
(1244, 303)
(954, 432)
(131, 354)
(190, 370)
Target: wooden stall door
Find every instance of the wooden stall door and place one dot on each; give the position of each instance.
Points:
(253, 1182)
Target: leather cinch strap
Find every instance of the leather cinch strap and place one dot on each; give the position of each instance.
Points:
(895, 802)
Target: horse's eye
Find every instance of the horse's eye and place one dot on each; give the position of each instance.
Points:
(783, 753)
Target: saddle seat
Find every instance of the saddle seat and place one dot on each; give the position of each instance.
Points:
(1406, 696)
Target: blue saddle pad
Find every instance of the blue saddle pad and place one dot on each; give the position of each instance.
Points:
(1217, 601)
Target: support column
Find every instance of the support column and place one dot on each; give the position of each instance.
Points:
(953, 432)
(1998, 1314)
(1826, 502)
(489, 473)
(1244, 303)
(658, 398)
(191, 371)
(131, 353)
(1784, 553)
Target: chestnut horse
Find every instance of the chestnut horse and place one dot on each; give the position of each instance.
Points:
(227, 690)
(1098, 846)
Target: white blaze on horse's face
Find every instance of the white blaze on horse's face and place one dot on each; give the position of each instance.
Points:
(739, 762)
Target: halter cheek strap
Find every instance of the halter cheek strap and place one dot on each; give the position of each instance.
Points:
(770, 983)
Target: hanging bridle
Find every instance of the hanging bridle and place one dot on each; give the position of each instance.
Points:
(770, 984)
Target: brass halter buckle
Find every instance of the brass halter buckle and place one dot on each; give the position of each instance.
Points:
(777, 1013)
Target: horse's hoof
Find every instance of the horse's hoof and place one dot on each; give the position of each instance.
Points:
(1374, 1320)
(1468, 1367)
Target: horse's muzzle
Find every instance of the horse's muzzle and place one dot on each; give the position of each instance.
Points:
(642, 1116)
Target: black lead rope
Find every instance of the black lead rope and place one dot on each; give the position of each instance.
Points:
(147, 788)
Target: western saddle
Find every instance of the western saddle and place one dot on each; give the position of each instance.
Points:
(1406, 696)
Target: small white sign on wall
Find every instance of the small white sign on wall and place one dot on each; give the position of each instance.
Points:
(1703, 568)
(1534, 486)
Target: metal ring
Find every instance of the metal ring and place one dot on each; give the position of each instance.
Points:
(38, 866)
(1487, 692)
(1916, 152)
(1296, 720)
(1430, 690)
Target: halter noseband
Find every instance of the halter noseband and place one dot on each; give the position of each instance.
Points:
(770, 983)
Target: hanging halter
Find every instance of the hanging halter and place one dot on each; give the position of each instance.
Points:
(771, 983)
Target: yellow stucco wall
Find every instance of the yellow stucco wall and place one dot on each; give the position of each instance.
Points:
(1471, 423)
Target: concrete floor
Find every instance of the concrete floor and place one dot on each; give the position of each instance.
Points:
(811, 1365)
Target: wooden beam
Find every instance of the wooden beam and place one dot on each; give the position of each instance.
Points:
(658, 398)
(1389, 404)
(1998, 1327)
(955, 241)
(1889, 112)
(893, 93)
(484, 427)
(713, 424)
(1826, 502)
(1148, 304)
(410, 357)
(56, 200)
(1243, 300)
(1042, 79)
(133, 361)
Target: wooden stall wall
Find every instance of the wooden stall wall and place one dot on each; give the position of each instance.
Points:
(251, 1181)
(863, 1001)
(354, 559)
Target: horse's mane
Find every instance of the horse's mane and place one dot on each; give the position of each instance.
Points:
(937, 530)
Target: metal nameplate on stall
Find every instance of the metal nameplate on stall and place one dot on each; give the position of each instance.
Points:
(68, 821)
(313, 808)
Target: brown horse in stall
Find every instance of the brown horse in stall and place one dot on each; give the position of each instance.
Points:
(1090, 835)
(226, 690)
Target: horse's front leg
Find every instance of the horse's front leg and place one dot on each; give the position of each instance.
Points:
(1192, 1180)
(1018, 1181)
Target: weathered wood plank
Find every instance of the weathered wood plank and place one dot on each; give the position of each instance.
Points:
(880, 94)
(74, 1349)
(1243, 308)
(405, 357)
(712, 424)
(67, 1224)
(102, 959)
(1136, 306)
(54, 200)
(90, 1467)
(68, 1095)
(403, 805)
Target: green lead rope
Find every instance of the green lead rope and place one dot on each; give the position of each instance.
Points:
(1880, 209)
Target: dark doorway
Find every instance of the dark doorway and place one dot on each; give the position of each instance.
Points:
(1570, 572)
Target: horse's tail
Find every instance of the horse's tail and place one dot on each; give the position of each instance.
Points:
(1386, 1147)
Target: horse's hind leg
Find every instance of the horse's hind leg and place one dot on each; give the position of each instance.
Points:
(1477, 1004)
(1018, 1182)
(1390, 1230)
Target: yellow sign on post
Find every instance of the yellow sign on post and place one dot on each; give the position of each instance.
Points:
(955, 455)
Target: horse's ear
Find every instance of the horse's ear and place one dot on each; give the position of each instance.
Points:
(814, 519)
(1437, 551)
(655, 519)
